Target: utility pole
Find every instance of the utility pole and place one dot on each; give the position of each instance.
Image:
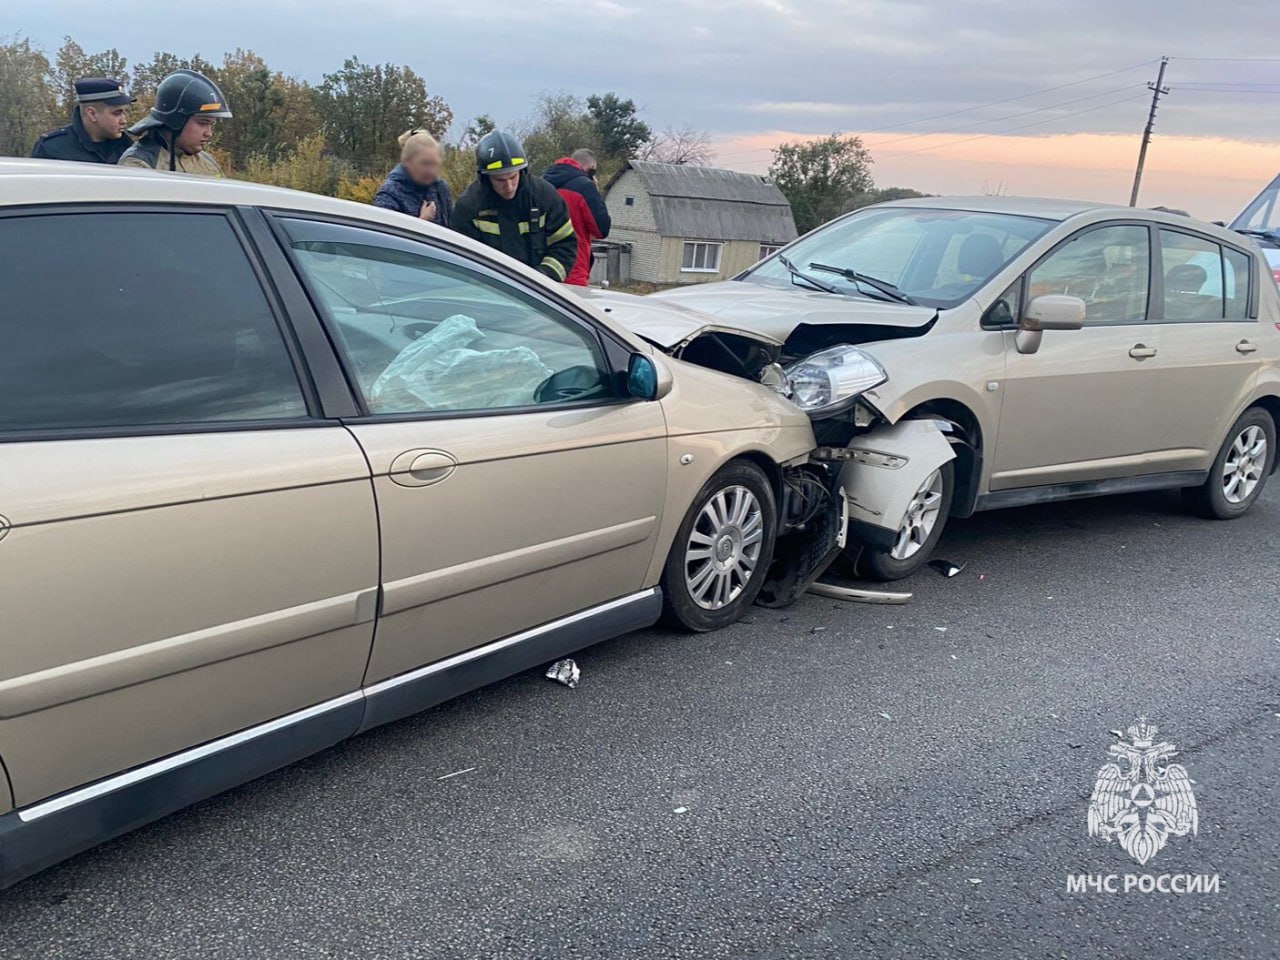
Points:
(1158, 90)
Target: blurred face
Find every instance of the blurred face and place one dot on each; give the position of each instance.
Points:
(424, 166)
(103, 122)
(195, 136)
(505, 185)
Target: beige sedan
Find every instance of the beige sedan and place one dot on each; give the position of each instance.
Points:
(276, 469)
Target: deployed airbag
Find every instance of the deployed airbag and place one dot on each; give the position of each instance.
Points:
(442, 371)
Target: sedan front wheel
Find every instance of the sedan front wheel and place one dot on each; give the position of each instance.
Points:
(722, 551)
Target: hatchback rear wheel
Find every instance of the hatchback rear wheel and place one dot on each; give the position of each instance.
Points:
(722, 551)
(1240, 470)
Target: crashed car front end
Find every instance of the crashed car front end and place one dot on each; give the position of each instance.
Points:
(871, 469)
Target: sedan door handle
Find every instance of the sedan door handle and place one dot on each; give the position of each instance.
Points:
(422, 468)
(1244, 346)
(1140, 351)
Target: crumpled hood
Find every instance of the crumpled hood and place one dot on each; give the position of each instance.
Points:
(663, 322)
(776, 311)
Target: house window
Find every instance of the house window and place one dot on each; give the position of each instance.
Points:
(768, 250)
(701, 257)
(630, 201)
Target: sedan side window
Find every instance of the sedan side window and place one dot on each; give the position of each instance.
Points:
(1108, 268)
(423, 334)
(117, 319)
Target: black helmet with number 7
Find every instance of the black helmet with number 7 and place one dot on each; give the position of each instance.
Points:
(499, 152)
(181, 95)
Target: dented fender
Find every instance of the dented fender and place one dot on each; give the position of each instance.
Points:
(883, 470)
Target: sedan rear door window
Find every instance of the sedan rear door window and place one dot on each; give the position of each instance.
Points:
(117, 319)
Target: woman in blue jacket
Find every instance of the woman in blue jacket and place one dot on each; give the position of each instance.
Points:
(414, 187)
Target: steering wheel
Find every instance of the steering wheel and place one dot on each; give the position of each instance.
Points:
(579, 382)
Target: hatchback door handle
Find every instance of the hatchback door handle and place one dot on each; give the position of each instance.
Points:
(1244, 346)
(1140, 351)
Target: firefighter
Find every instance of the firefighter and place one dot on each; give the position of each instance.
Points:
(513, 211)
(96, 131)
(175, 133)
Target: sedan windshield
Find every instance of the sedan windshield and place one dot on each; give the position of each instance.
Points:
(903, 254)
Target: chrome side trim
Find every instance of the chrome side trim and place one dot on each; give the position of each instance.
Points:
(69, 682)
(440, 665)
(137, 774)
(417, 591)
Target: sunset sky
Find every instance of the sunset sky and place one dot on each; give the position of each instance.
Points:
(965, 96)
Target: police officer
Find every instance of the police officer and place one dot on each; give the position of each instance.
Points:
(96, 131)
(512, 211)
(175, 133)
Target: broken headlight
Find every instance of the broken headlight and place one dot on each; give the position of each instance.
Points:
(832, 380)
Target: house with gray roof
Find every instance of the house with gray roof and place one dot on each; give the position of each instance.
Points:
(687, 224)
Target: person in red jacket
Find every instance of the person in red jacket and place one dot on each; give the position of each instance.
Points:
(575, 178)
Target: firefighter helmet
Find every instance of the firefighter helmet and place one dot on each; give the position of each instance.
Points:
(181, 95)
(499, 152)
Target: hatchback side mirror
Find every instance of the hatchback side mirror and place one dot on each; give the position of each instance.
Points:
(647, 378)
(1049, 312)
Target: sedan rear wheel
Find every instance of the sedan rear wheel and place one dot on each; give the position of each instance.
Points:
(1240, 470)
(722, 551)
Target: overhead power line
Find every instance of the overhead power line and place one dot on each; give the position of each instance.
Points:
(1021, 126)
(981, 106)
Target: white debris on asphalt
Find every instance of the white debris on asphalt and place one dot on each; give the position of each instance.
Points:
(856, 595)
(680, 810)
(457, 773)
(975, 879)
(941, 629)
(886, 716)
(564, 671)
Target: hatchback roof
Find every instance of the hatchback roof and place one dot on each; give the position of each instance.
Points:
(1043, 208)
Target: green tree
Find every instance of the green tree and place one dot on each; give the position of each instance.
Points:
(476, 130)
(147, 76)
(883, 195)
(29, 97)
(618, 131)
(364, 108)
(71, 63)
(821, 178)
(558, 126)
(258, 100)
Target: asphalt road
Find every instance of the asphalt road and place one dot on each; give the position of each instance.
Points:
(835, 780)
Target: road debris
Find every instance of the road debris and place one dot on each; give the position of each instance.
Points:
(564, 671)
(680, 810)
(457, 773)
(975, 879)
(856, 594)
(886, 716)
(818, 630)
(941, 629)
(946, 567)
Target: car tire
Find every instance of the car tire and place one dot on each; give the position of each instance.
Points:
(722, 551)
(1240, 469)
(924, 525)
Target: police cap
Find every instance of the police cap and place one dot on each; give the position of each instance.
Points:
(102, 91)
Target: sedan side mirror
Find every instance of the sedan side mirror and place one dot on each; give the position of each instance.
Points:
(647, 378)
(1048, 312)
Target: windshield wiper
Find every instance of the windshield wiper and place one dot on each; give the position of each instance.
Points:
(1266, 234)
(884, 286)
(798, 274)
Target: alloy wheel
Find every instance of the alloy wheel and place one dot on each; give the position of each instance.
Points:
(921, 518)
(724, 547)
(1242, 470)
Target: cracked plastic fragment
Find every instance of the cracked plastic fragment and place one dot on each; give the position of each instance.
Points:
(564, 671)
(946, 567)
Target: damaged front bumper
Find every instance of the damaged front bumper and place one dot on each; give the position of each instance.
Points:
(881, 471)
(813, 520)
